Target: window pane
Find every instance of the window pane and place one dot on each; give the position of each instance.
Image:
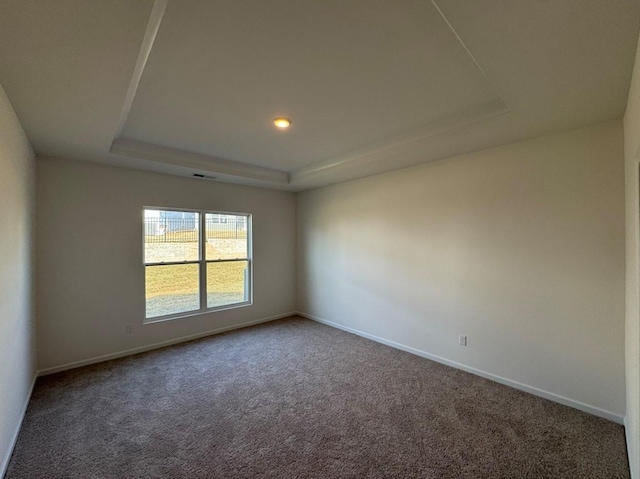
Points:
(226, 236)
(227, 283)
(172, 289)
(171, 236)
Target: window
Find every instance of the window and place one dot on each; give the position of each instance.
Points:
(195, 261)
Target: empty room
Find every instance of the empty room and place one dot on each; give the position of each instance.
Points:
(319, 239)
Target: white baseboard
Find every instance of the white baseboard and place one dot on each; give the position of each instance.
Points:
(149, 347)
(596, 411)
(14, 439)
(634, 459)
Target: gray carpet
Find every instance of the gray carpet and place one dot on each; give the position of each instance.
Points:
(296, 399)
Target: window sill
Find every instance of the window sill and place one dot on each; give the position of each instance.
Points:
(199, 312)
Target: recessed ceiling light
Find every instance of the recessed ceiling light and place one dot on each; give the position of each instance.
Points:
(282, 122)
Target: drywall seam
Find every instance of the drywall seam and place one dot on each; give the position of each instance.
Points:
(14, 439)
(149, 347)
(466, 49)
(596, 411)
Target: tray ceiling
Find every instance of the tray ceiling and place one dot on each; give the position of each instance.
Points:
(349, 75)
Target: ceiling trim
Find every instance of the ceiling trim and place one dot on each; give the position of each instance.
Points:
(361, 156)
(364, 155)
(368, 153)
(155, 18)
(211, 164)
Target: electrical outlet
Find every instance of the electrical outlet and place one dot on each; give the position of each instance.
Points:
(129, 328)
(462, 340)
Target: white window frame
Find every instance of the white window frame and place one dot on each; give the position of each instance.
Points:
(202, 262)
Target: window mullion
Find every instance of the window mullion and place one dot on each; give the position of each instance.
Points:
(231, 260)
(203, 262)
(171, 263)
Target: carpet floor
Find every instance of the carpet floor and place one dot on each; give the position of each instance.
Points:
(297, 399)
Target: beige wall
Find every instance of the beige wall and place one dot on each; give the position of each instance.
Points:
(17, 318)
(89, 253)
(520, 247)
(632, 160)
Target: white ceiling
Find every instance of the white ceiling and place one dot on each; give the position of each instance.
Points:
(184, 86)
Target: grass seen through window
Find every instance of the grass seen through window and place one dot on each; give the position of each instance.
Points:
(174, 265)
